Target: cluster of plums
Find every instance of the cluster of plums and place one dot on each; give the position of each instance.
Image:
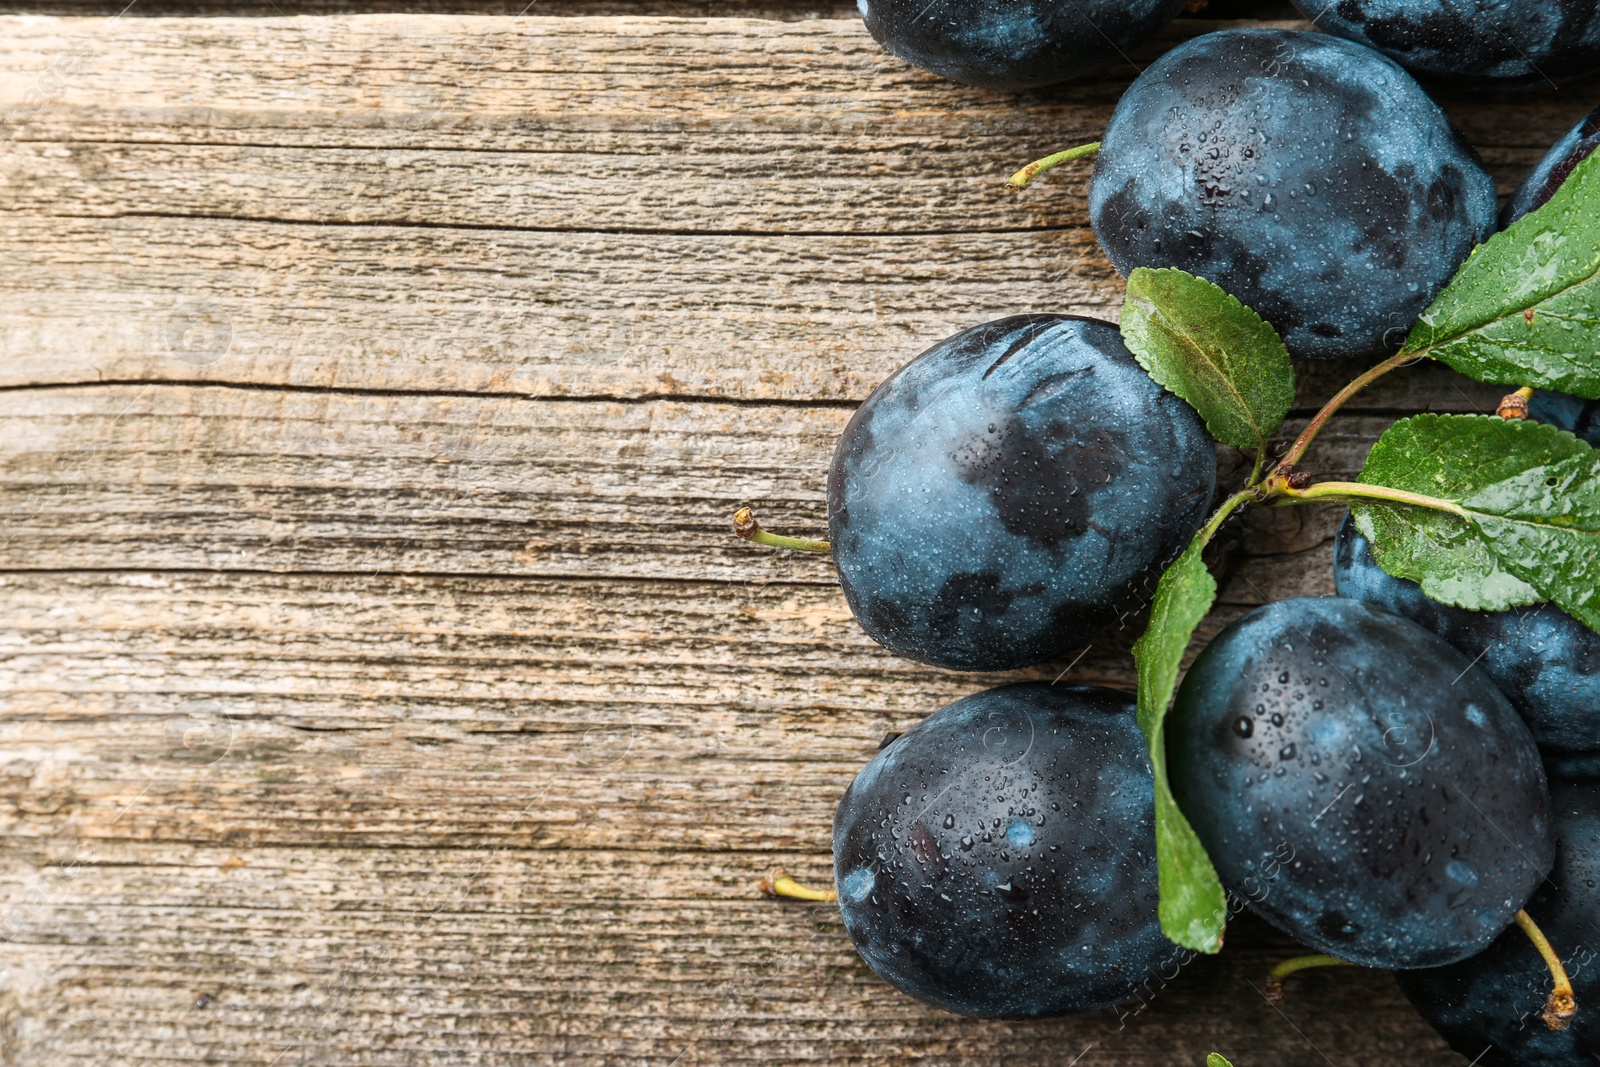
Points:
(1384, 778)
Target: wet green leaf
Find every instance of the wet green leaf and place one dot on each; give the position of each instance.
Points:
(1193, 906)
(1211, 350)
(1529, 522)
(1525, 307)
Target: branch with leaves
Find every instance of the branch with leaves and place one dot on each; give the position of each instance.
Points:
(1483, 512)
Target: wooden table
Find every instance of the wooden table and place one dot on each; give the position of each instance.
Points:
(379, 681)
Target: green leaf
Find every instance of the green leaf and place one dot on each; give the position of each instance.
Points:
(1216, 1059)
(1193, 907)
(1525, 307)
(1529, 497)
(1212, 351)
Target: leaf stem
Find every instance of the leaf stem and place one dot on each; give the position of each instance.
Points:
(746, 526)
(1560, 1007)
(779, 884)
(1312, 428)
(1229, 506)
(1021, 178)
(1347, 491)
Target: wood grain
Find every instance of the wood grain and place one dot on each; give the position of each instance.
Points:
(459, 956)
(349, 807)
(542, 206)
(229, 478)
(379, 682)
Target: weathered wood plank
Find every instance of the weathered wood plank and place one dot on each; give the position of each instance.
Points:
(517, 312)
(186, 477)
(627, 207)
(500, 957)
(381, 711)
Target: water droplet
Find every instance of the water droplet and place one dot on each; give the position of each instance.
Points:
(1243, 726)
(1287, 751)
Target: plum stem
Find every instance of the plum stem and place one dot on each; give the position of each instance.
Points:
(1560, 1007)
(779, 884)
(1312, 428)
(1021, 178)
(1515, 405)
(1283, 970)
(746, 526)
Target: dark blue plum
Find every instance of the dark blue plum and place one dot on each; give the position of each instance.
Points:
(1014, 44)
(1573, 414)
(1488, 1007)
(1009, 491)
(1364, 787)
(999, 858)
(1548, 174)
(1546, 662)
(1310, 177)
(1473, 44)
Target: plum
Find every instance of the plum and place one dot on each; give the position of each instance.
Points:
(1310, 177)
(1360, 783)
(1488, 1007)
(998, 859)
(1011, 490)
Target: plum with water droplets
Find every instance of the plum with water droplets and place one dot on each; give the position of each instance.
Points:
(1011, 490)
(998, 859)
(1360, 783)
(1488, 1007)
(1310, 177)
